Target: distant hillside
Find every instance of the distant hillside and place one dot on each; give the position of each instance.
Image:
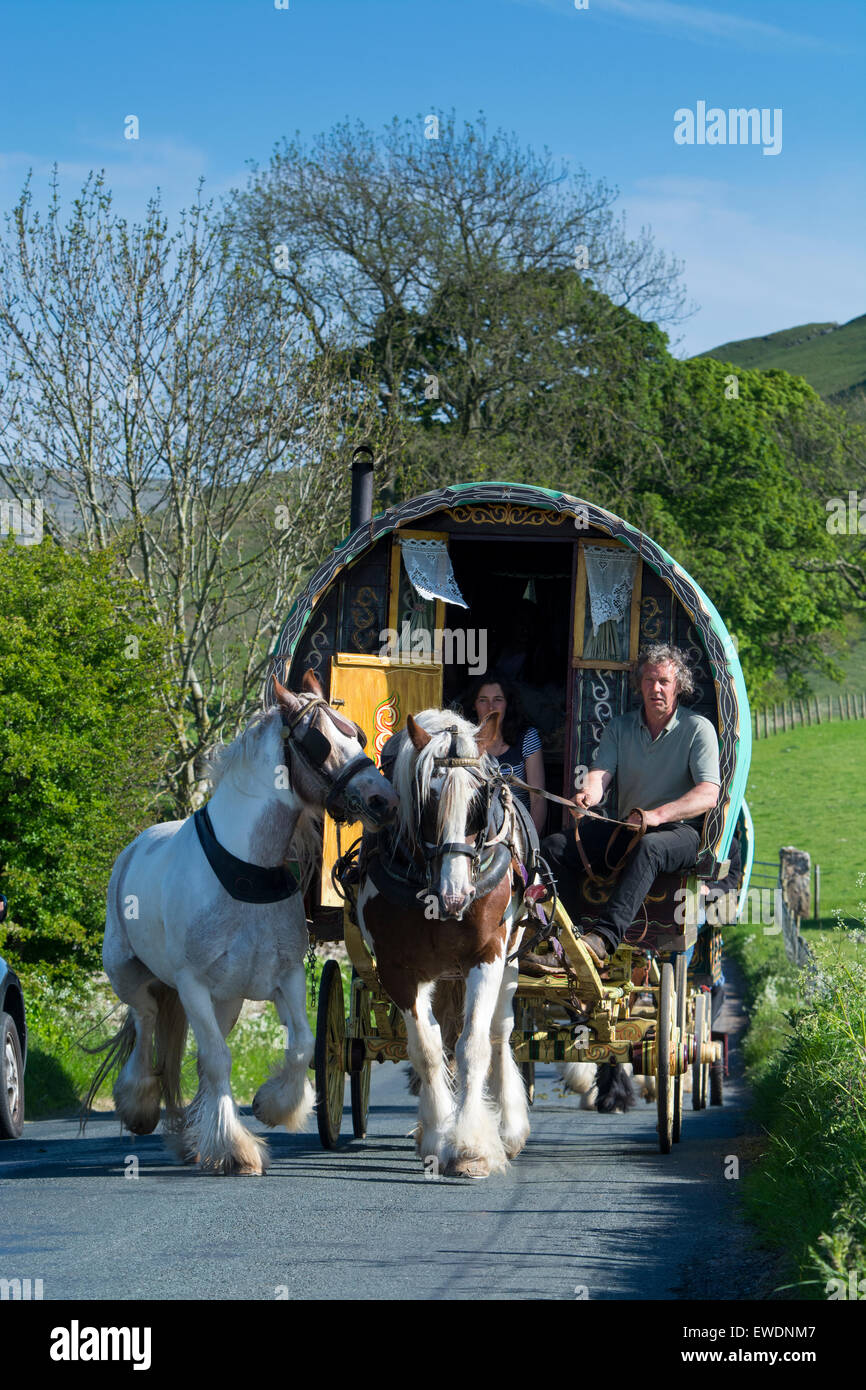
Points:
(832, 357)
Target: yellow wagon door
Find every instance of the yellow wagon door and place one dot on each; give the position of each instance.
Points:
(377, 693)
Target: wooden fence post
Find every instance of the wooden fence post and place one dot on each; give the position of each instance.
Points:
(817, 890)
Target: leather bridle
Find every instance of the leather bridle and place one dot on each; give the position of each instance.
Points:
(313, 748)
(431, 850)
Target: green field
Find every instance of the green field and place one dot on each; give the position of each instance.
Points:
(831, 356)
(807, 788)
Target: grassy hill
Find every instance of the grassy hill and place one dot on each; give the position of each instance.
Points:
(831, 356)
(808, 788)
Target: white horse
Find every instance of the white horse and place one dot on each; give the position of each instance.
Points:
(180, 947)
(453, 918)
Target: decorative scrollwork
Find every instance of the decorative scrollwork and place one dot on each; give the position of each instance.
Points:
(363, 618)
(385, 720)
(506, 514)
(318, 642)
(651, 615)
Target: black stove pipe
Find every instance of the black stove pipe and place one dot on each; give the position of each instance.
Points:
(362, 486)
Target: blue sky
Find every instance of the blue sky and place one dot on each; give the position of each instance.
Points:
(767, 241)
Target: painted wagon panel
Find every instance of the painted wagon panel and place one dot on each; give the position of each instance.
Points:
(346, 604)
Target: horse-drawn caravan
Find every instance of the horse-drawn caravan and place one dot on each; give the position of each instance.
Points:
(560, 595)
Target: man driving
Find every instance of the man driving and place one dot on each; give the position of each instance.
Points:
(666, 761)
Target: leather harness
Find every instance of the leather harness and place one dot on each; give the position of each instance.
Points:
(405, 878)
(256, 883)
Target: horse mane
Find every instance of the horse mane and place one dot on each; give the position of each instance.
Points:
(227, 758)
(416, 770)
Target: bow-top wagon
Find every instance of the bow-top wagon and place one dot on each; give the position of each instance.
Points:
(561, 594)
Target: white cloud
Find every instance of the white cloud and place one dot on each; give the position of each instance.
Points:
(693, 22)
(751, 270)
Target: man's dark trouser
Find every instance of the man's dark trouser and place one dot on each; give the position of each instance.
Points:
(663, 850)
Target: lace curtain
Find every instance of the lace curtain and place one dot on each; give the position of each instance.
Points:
(428, 566)
(610, 582)
(425, 575)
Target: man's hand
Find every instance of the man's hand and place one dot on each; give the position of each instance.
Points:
(652, 818)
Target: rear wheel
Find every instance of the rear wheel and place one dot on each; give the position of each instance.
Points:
(717, 1076)
(359, 1081)
(701, 1069)
(665, 1027)
(11, 1080)
(681, 989)
(330, 1055)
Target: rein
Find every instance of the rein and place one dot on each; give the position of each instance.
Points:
(579, 812)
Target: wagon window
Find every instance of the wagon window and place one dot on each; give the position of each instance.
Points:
(412, 617)
(607, 605)
(414, 614)
(609, 588)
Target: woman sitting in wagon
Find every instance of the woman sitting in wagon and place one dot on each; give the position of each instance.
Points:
(518, 745)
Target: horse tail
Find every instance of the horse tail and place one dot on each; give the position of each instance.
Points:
(118, 1050)
(170, 1032)
(615, 1091)
(579, 1077)
(169, 1042)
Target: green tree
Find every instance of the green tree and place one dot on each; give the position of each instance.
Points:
(82, 741)
(737, 494)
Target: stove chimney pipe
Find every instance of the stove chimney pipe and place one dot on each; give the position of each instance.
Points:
(362, 486)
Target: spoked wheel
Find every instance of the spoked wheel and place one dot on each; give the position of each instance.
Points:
(527, 1071)
(359, 1081)
(701, 1070)
(665, 1028)
(681, 990)
(717, 1077)
(330, 1055)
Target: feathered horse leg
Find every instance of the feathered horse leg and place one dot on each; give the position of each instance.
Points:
(436, 1102)
(476, 1149)
(287, 1098)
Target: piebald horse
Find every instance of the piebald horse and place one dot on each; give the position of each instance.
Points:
(203, 913)
(460, 923)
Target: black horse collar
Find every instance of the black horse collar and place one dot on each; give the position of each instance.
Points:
(246, 883)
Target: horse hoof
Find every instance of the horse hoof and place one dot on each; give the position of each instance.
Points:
(513, 1147)
(467, 1168)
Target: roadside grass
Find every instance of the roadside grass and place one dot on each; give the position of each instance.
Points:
(63, 1014)
(805, 1054)
(807, 788)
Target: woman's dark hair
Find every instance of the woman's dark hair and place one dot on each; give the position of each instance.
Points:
(514, 724)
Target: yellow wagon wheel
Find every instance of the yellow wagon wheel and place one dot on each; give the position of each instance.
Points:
(681, 990)
(330, 1055)
(359, 1079)
(700, 1069)
(665, 1029)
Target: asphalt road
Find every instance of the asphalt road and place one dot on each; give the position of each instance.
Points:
(589, 1210)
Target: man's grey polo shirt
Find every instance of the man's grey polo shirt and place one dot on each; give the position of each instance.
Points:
(652, 772)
